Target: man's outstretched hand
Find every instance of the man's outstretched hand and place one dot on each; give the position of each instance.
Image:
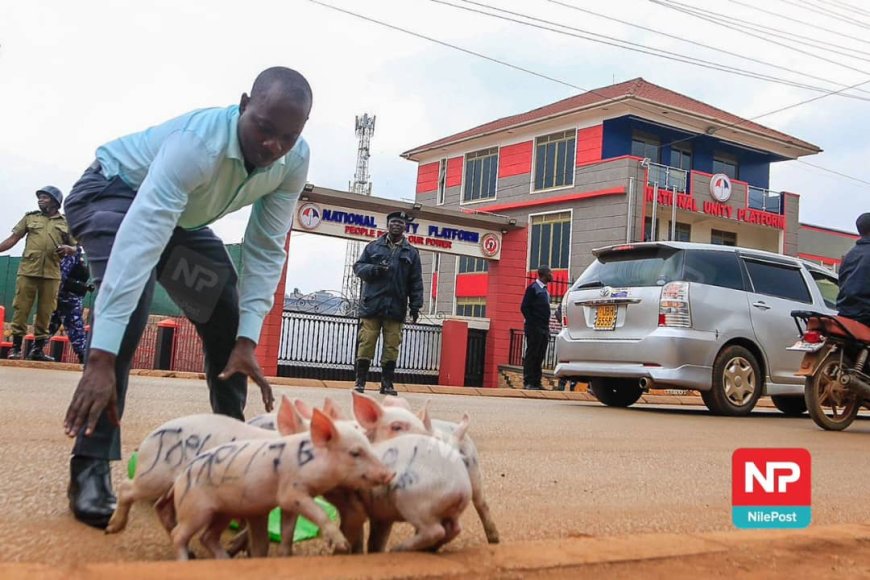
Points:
(242, 360)
(95, 393)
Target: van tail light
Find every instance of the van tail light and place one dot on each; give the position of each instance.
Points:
(674, 305)
(564, 315)
(812, 336)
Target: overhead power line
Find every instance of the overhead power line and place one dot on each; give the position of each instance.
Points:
(560, 81)
(627, 45)
(820, 9)
(694, 43)
(725, 22)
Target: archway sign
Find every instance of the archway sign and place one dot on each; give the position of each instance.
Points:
(352, 216)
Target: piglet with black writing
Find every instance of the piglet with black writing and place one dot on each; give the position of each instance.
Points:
(247, 479)
(169, 448)
(430, 491)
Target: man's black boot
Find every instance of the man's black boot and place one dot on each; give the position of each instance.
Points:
(91, 498)
(37, 352)
(388, 371)
(362, 372)
(15, 351)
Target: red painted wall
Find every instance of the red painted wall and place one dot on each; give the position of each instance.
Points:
(454, 172)
(515, 159)
(270, 337)
(589, 141)
(454, 351)
(427, 177)
(503, 307)
(471, 285)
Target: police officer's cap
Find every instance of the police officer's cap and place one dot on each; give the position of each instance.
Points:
(400, 215)
(52, 192)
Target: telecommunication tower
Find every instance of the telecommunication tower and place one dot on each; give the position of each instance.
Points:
(361, 184)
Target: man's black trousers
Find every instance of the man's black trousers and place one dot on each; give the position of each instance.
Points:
(536, 347)
(94, 210)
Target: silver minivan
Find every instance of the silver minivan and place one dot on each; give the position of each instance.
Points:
(680, 315)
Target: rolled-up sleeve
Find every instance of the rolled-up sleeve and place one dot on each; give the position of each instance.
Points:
(263, 252)
(182, 164)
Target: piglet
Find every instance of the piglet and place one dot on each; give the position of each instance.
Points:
(169, 448)
(247, 479)
(430, 491)
(447, 431)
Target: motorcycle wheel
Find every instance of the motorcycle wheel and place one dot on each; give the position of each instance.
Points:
(832, 406)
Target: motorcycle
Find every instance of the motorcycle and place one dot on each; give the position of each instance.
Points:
(837, 383)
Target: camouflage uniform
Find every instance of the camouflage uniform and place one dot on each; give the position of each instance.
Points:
(69, 307)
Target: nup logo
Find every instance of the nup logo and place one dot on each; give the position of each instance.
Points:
(771, 488)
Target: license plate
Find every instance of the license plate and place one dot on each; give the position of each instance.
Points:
(605, 317)
(803, 346)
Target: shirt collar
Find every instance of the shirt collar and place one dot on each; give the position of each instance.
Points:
(541, 284)
(234, 148)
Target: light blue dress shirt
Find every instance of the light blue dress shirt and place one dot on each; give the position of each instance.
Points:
(189, 172)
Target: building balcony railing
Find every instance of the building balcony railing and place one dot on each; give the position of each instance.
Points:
(765, 200)
(667, 177)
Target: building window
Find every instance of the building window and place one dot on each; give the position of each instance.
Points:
(481, 172)
(442, 182)
(682, 233)
(681, 158)
(554, 160)
(550, 240)
(468, 265)
(647, 229)
(645, 146)
(726, 164)
(475, 307)
(723, 238)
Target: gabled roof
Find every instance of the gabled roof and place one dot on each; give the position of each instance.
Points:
(636, 89)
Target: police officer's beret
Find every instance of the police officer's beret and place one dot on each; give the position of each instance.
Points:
(400, 215)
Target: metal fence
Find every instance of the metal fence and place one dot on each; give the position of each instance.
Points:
(323, 346)
(518, 349)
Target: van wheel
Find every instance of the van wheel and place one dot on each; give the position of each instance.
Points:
(616, 392)
(791, 406)
(737, 383)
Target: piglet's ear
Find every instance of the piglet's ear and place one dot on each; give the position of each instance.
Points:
(331, 409)
(289, 422)
(303, 409)
(423, 414)
(367, 411)
(323, 431)
(462, 427)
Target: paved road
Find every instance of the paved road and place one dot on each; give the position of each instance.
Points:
(553, 468)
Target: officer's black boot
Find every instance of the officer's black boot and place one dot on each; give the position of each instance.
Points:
(15, 351)
(91, 498)
(388, 371)
(37, 352)
(362, 371)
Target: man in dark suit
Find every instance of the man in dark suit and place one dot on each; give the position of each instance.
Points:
(536, 312)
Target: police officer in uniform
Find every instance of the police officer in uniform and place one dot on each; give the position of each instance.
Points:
(48, 239)
(73, 288)
(392, 284)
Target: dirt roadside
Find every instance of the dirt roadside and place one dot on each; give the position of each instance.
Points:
(824, 552)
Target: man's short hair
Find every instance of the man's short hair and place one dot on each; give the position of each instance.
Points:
(863, 224)
(285, 79)
(543, 270)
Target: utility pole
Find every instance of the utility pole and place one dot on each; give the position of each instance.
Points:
(361, 184)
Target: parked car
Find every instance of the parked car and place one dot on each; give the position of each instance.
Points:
(691, 316)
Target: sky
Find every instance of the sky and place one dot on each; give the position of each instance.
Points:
(74, 75)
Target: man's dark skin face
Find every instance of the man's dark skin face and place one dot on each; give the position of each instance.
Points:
(46, 204)
(546, 277)
(396, 229)
(269, 126)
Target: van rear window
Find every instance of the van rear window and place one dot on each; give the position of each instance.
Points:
(638, 267)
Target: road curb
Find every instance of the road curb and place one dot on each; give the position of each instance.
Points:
(653, 398)
(568, 555)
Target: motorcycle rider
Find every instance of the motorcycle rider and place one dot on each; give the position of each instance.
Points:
(853, 301)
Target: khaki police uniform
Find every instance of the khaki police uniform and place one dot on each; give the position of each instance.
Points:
(39, 272)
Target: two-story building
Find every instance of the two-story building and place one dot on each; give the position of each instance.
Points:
(628, 162)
